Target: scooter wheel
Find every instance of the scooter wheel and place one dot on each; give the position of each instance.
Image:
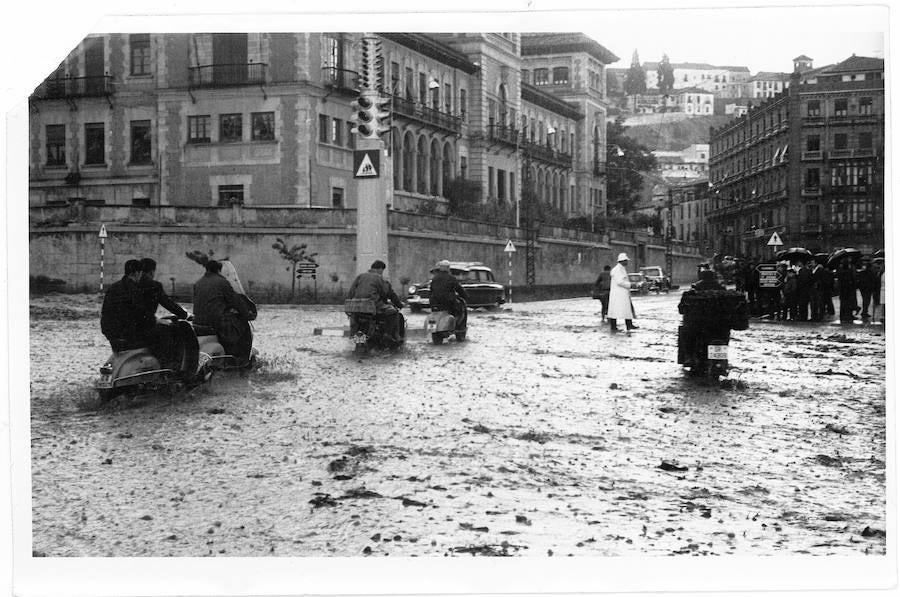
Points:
(437, 338)
(360, 349)
(460, 336)
(106, 395)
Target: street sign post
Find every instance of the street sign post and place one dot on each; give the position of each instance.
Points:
(769, 277)
(102, 236)
(775, 242)
(306, 268)
(509, 250)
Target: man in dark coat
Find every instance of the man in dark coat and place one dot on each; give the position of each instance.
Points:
(153, 295)
(804, 291)
(823, 284)
(372, 285)
(217, 305)
(868, 283)
(601, 290)
(122, 314)
(445, 289)
(846, 277)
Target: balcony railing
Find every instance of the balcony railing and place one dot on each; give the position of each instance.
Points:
(214, 76)
(408, 108)
(811, 192)
(70, 87)
(812, 155)
(500, 133)
(340, 79)
(547, 154)
(841, 153)
(811, 228)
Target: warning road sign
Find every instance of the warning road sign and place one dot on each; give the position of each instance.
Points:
(775, 241)
(366, 163)
(510, 247)
(102, 231)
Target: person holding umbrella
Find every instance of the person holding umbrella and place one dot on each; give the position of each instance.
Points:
(847, 283)
(867, 281)
(823, 284)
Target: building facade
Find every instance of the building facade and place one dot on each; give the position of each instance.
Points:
(807, 163)
(264, 119)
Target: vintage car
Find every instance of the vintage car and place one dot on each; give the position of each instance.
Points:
(476, 278)
(639, 283)
(657, 278)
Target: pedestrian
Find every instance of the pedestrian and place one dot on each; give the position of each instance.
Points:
(620, 296)
(601, 290)
(752, 286)
(789, 306)
(868, 283)
(877, 305)
(847, 285)
(823, 282)
(804, 291)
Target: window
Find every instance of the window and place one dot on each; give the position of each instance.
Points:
(840, 141)
(139, 44)
(448, 98)
(490, 181)
(337, 197)
(561, 75)
(526, 75)
(463, 167)
(512, 186)
(435, 97)
(323, 128)
(94, 143)
(231, 128)
(813, 108)
(865, 105)
(462, 103)
(350, 136)
(56, 145)
(541, 76)
(812, 143)
(336, 131)
(812, 178)
(198, 129)
(140, 142)
(423, 88)
(262, 125)
(840, 107)
(812, 213)
(865, 140)
(395, 78)
(409, 83)
(501, 184)
(231, 194)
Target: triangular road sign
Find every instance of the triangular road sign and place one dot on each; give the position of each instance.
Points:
(775, 241)
(102, 231)
(366, 168)
(510, 247)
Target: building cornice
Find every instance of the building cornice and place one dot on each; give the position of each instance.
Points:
(433, 49)
(550, 102)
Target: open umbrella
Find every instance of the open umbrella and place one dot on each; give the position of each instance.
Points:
(836, 257)
(821, 258)
(794, 254)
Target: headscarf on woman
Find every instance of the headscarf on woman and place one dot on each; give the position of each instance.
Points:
(229, 273)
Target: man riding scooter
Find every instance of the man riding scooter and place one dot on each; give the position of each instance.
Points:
(446, 292)
(122, 314)
(372, 285)
(170, 346)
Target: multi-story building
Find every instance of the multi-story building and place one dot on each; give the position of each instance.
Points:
(264, 119)
(767, 84)
(694, 101)
(710, 78)
(808, 163)
(690, 206)
(690, 163)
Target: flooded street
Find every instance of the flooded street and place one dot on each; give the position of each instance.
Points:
(541, 434)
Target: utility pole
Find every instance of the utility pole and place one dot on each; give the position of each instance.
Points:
(530, 228)
(670, 258)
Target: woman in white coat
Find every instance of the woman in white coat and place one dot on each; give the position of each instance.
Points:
(620, 296)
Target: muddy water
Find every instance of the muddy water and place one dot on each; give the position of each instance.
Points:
(541, 435)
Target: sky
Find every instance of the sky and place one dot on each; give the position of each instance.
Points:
(762, 39)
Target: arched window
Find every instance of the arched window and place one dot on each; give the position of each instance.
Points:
(397, 158)
(448, 168)
(409, 164)
(435, 174)
(421, 166)
(503, 106)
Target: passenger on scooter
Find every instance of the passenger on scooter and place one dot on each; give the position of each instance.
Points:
(373, 285)
(218, 306)
(122, 314)
(168, 347)
(707, 281)
(446, 291)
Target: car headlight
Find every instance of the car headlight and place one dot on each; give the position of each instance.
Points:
(412, 289)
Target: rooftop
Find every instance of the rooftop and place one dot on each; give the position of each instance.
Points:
(855, 64)
(536, 44)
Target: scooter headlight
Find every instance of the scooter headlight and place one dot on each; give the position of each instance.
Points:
(412, 289)
(106, 370)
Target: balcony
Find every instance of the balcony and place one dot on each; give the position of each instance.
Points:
(811, 192)
(810, 228)
(812, 155)
(412, 110)
(340, 79)
(72, 87)
(547, 154)
(215, 76)
(503, 134)
(840, 153)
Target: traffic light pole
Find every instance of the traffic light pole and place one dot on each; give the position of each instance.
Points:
(371, 212)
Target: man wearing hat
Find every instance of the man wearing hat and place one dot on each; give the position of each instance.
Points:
(373, 285)
(620, 296)
(445, 289)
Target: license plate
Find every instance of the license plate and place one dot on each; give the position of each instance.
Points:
(360, 339)
(431, 326)
(717, 352)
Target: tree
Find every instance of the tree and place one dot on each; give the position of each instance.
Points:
(294, 255)
(635, 78)
(626, 159)
(665, 76)
(463, 197)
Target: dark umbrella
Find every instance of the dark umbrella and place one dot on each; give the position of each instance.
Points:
(821, 258)
(794, 254)
(837, 256)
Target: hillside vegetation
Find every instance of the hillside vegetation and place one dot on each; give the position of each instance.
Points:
(668, 135)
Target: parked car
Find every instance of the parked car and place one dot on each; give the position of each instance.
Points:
(657, 278)
(639, 283)
(476, 278)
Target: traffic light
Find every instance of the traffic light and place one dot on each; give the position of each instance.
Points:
(368, 115)
(372, 64)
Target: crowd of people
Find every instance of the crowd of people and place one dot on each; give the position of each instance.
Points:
(804, 290)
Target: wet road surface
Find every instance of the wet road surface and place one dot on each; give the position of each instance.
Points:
(541, 434)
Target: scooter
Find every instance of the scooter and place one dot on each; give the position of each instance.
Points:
(703, 353)
(200, 354)
(441, 324)
(708, 318)
(367, 329)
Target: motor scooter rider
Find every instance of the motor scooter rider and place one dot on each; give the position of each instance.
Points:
(122, 315)
(446, 291)
(707, 281)
(152, 294)
(215, 305)
(372, 285)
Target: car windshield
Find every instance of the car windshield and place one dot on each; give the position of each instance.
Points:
(653, 271)
(635, 277)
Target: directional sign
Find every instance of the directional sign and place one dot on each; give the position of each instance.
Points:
(307, 265)
(510, 247)
(366, 163)
(102, 231)
(775, 241)
(769, 276)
